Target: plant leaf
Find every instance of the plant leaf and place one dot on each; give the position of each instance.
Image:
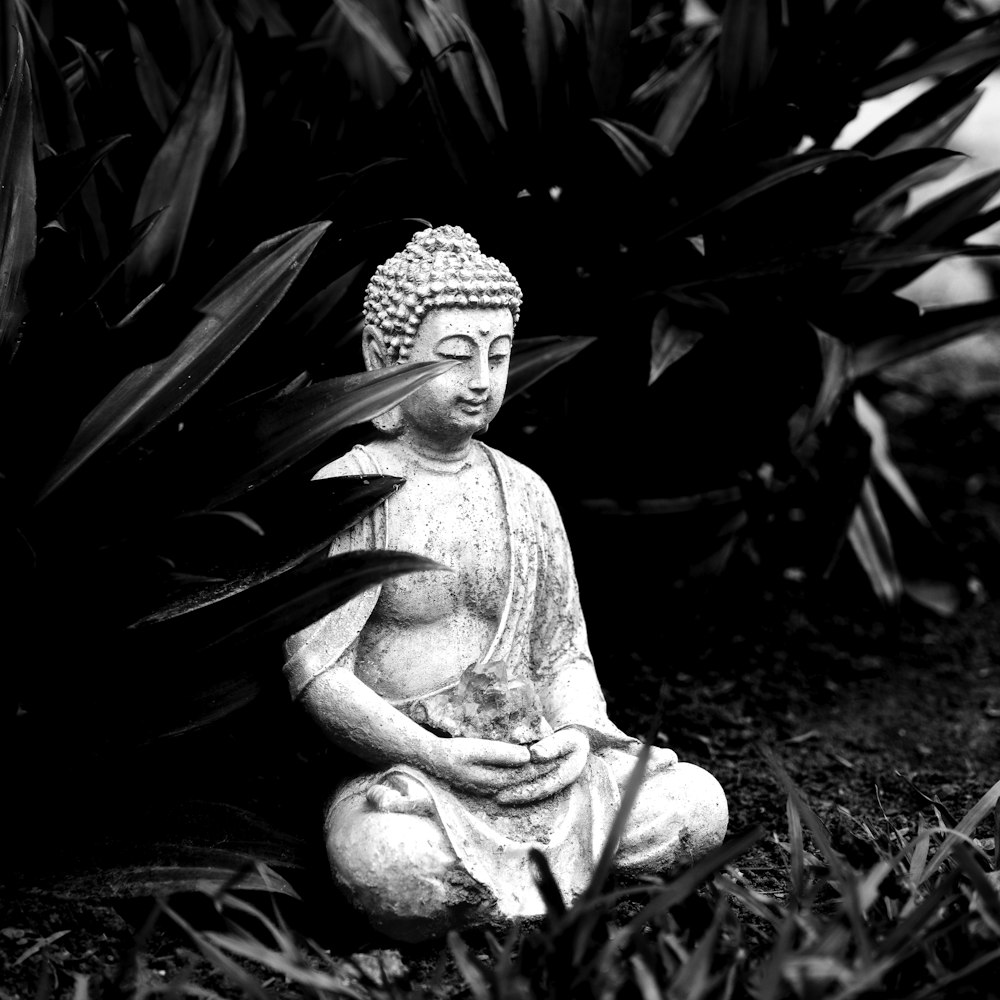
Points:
(869, 537)
(747, 48)
(836, 361)
(60, 177)
(922, 64)
(932, 329)
(773, 174)
(234, 309)
(668, 344)
(17, 217)
(632, 143)
(257, 446)
(532, 359)
(321, 511)
(692, 83)
(178, 173)
(132, 882)
(159, 97)
(897, 174)
(939, 216)
(931, 118)
(539, 50)
(368, 27)
(612, 22)
(286, 603)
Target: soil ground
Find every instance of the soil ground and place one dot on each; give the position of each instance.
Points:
(864, 707)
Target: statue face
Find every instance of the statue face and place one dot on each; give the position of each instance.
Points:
(462, 401)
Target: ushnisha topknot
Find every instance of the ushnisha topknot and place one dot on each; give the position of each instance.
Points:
(438, 268)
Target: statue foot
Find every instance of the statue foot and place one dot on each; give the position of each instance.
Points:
(398, 793)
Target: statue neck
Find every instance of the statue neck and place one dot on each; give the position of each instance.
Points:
(434, 455)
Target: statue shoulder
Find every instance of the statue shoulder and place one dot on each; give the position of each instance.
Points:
(523, 478)
(357, 462)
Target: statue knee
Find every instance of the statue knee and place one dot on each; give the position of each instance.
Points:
(401, 871)
(680, 814)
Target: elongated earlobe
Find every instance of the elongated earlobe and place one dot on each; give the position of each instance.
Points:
(373, 349)
(389, 423)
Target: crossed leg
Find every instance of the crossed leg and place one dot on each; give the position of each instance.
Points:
(398, 867)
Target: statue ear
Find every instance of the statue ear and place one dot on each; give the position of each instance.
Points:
(373, 349)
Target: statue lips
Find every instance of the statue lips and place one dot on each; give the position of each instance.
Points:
(473, 406)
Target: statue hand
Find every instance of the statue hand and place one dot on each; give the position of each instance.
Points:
(558, 761)
(483, 767)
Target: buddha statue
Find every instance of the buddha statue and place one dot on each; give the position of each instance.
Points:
(470, 691)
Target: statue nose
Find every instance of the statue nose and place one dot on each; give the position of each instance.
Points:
(480, 374)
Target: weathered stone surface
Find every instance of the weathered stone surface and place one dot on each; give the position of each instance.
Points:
(471, 689)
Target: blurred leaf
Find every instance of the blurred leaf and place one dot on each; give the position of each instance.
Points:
(178, 173)
(539, 49)
(17, 218)
(235, 973)
(201, 26)
(116, 260)
(869, 537)
(772, 174)
(668, 344)
(747, 47)
(158, 95)
(233, 310)
(836, 363)
(368, 27)
(256, 446)
(286, 603)
(250, 12)
(323, 509)
(922, 64)
(940, 596)
(532, 359)
(965, 228)
(911, 259)
(940, 215)
(317, 310)
(871, 420)
(635, 145)
(612, 22)
(692, 82)
(966, 828)
(451, 43)
(932, 329)
(56, 124)
(898, 173)
(60, 177)
(234, 872)
(931, 118)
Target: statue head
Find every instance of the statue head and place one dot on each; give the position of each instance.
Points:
(442, 298)
(439, 268)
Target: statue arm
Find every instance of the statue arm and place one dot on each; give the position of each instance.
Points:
(561, 661)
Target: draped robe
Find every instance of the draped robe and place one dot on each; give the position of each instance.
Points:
(542, 639)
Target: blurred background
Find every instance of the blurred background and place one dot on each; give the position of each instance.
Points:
(758, 360)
